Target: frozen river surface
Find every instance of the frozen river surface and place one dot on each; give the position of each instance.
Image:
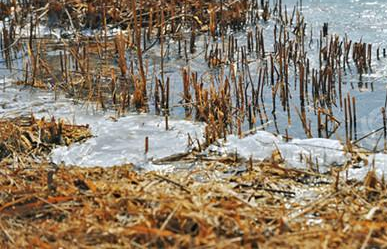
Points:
(120, 141)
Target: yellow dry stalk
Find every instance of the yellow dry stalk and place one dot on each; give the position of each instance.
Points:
(120, 46)
(212, 13)
(138, 96)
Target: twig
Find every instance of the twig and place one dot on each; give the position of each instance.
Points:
(174, 183)
(6, 233)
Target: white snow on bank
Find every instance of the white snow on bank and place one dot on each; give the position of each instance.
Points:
(377, 162)
(298, 153)
(316, 151)
(122, 142)
(259, 146)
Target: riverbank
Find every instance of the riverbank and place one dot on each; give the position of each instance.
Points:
(218, 204)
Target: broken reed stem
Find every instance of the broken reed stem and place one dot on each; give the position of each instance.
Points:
(383, 110)
(137, 27)
(146, 145)
(319, 125)
(354, 116)
(350, 117)
(167, 98)
(186, 91)
(346, 120)
(157, 96)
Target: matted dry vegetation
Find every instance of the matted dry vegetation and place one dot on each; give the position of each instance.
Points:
(107, 208)
(27, 136)
(221, 203)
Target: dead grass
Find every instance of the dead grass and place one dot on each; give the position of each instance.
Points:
(220, 204)
(26, 136)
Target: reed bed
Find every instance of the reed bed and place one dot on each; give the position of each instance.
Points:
(116, 66)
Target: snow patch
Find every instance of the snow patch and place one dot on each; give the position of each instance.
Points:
(299, 153)
(123, 142)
